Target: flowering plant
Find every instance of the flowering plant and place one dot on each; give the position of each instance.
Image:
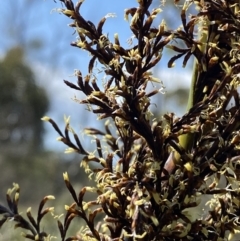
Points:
(152, 178)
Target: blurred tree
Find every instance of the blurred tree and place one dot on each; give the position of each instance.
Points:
(22, 104)
(24, 99)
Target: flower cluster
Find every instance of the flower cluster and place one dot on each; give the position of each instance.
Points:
(155, 173)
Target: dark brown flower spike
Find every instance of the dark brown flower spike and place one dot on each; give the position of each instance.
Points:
(152, 174)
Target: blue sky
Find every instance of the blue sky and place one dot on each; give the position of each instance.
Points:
(38, 23)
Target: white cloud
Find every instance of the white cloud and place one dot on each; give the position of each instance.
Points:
(175, 78)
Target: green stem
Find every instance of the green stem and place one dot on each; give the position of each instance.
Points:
(186, 140)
